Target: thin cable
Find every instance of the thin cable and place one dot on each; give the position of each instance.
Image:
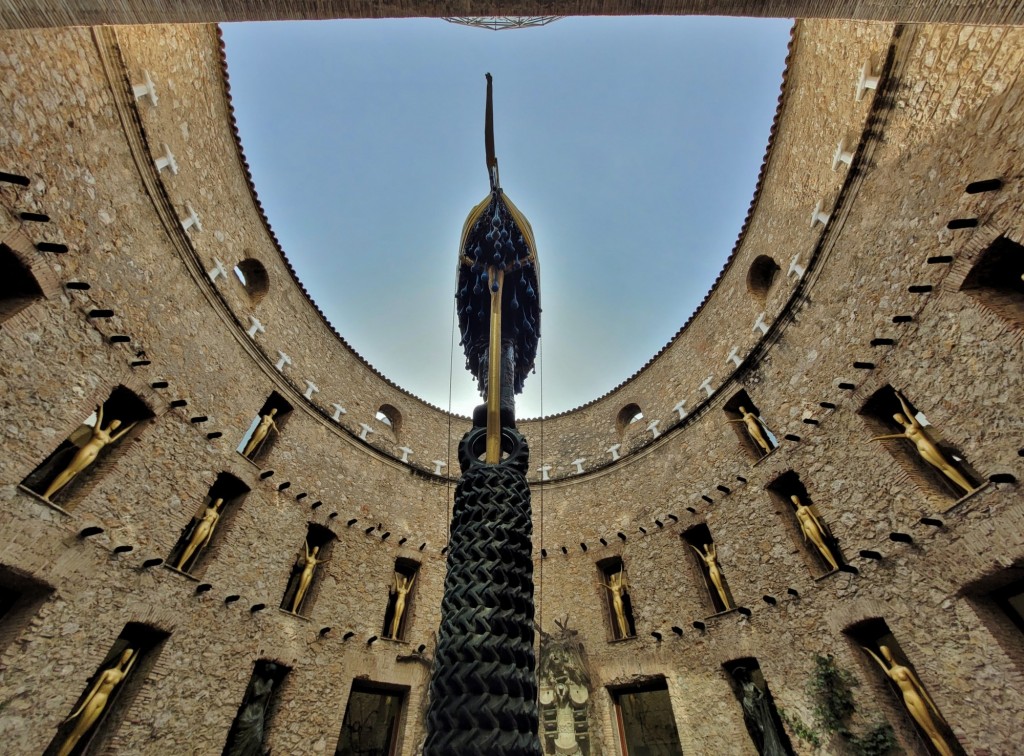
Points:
(448, 457)
(540, 569)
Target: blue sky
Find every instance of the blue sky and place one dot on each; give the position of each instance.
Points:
(632, 145)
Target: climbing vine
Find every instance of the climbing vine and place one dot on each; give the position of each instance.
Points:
(831, 690)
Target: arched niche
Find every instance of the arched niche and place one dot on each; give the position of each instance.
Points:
(253, 276)
(761, 276)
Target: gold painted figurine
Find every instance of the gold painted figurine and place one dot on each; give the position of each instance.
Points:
(96, 701)
(755, 429)
(400, 590)
(201, 533)
(710, 558)
(259, 435)
(306, 579)
(813, 529)
(618, 586)
(86, 455)
(917, 434)
(916, 699)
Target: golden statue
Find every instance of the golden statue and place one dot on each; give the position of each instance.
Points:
(755, 429)
(617, 586)
(99, 696)
(259, 435)
(309, 564)
(814, 530)
(98, 439)
(400, 590)
(916, 699)
(710, 558)
(926, 447)
(201, 533)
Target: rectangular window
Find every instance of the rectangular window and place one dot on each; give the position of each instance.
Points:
(645, 723)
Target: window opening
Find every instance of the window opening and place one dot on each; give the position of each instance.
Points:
(18, 287)
(372, 721)
(645, 720)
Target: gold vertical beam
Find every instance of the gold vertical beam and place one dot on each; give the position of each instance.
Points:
(493, 451)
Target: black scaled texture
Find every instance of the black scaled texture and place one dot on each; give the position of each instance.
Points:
(483, 687)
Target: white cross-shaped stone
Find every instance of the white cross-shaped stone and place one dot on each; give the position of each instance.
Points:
(283, 359)
(734, 355)
(578, 463)
(166, 161)
(406, 451)
(146, 89)
(217, 271)
(256, 327)
(817, 216)
(795, 267)
(707, 385)
(365, 429)
(438, 464)
(191, 220)
(311, 388)
(760, 325)
(867, 80)
(614, 451)
(653, 428)
(681, 409)
(338, 412)
(842, 155)
(544, 470)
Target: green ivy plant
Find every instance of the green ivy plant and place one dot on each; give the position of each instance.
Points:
(831, 690)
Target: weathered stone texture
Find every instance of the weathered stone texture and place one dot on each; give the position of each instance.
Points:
(947, 113)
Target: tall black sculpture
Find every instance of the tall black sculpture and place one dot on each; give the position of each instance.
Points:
(483, 687)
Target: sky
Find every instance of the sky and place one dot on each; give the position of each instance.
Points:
(632, 145)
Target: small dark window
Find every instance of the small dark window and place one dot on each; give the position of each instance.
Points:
(372, 720)
(645, 722)
(627, 416)
(253, 276)
(761, 277)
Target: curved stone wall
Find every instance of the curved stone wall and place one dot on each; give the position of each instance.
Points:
(874, 300)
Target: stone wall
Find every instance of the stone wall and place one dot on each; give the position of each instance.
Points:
(946, 114)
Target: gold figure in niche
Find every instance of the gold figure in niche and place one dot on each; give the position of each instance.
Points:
(96, 702)
(617, 586)
(916, 699)
(710, 558)
(755, 429)
(100, 437)
(309, 564)
(260, 434)
(814, 530)
(400, 590)
(926, 447)
(201, 533)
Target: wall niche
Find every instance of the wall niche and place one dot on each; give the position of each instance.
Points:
(997, 280)
(265, 428)
(924, 729)
(753, 434)
(759, 712)
(617, 599)
(108, 694)
(889, 414)
(90, 449)
(18, 287)
(256, 713)
(306, 577)
(202, 535)
(704, 553)
(400, 599)
(802, 519)
(21, 598)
